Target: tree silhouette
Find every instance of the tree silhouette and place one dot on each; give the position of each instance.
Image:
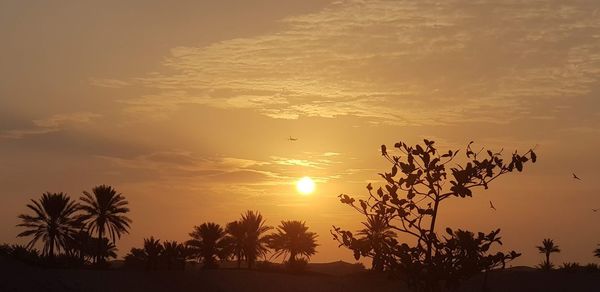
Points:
(78, 245)
(174, 254)
(597, 251)
(376, 235)
(53, 222)
(421, 179)
(236, 238)
(102, 248)
(104, 212)
(152, 250)
(548, 247)
(27, 255)
(207, 244)
(293, 239)
(137, 259)
(255, 242)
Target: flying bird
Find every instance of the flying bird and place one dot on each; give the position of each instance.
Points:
(594, 210)
(492, 206)
(576, 177)
(292, 139)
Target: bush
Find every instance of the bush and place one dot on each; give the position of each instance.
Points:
(267, 266)
(25, 255)
(298, 265)
(544, 265)
(570, 267)
(592, 268)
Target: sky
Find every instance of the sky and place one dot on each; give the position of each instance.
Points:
(187, 108)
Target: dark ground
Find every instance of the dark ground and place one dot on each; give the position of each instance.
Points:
(19, 277)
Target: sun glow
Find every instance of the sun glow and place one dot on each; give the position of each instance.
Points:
(305, 185)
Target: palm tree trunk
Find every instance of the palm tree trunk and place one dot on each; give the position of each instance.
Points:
(548, 260)
(51, 251)
(98, 252)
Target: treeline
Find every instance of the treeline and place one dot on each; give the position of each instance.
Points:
(74, 233)
(244, 241)
(84, 232)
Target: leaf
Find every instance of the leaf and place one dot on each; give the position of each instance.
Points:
(533, 157)
(363, 204)
(383, 150)
(449, 231)
(410, 194)
(519, 165)
(369, 187)
(394, 170)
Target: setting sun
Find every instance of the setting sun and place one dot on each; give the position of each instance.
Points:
(305, 185)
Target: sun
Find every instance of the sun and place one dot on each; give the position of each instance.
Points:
(305, 185)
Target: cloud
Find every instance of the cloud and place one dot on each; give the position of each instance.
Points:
(108, 83)
(51, 124)
(399, 62)
(223, 174)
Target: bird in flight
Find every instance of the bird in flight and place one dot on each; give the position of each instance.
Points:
(576, 177)
(292, 139)
(492, 206)
(594, 210)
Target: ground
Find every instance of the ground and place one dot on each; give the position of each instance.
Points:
(19, 277)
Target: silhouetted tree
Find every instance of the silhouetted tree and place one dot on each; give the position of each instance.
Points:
(53, 221)
(548, 247)
(207, 244)
(79, 245)
(236, 238)
(418, 182)
(104, 213)
(174, 255)
(136, 259)
(255, 242)
(101, 248)
(597, 251)
(376, 234)
(153, 249)
(293, 238)
(24, 254)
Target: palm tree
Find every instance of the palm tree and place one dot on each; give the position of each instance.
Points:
(208, 243)
(375, 235)
(152, 249)
(597, 251)
(174, 254)
(136, 258)
(547, 248)
(255, 243)
(78, 244)
(293, 238)
(53, 222)
(104, 211)
(236, 237)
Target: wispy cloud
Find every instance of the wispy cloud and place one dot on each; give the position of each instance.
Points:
(51, 124)
(109, 83)
(224, 174)
(390, 61)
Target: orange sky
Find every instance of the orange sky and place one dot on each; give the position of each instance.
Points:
(187, 109)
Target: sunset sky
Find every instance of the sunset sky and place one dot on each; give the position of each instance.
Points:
(187, 107)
